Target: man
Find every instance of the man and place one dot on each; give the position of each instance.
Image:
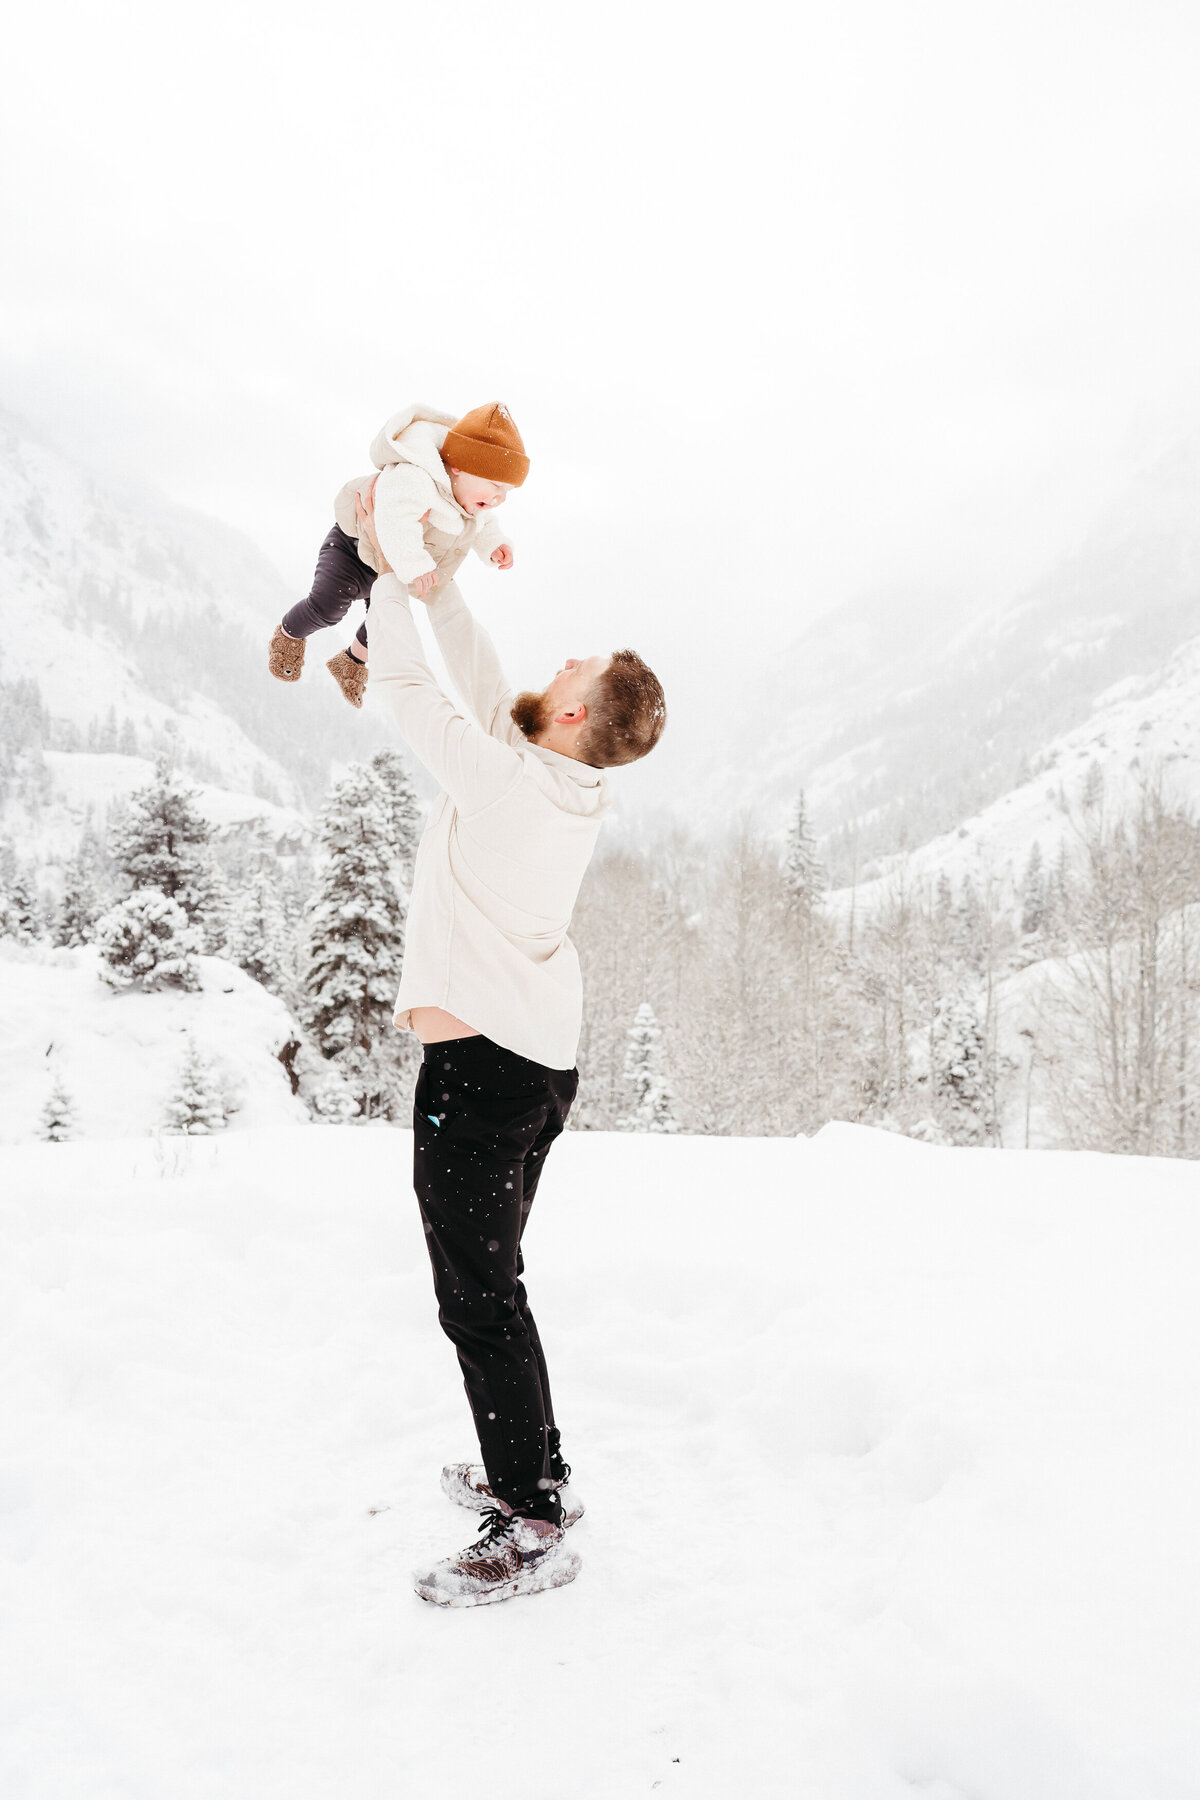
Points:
(491, 986)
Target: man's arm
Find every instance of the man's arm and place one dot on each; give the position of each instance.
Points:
(474, 768)
(474, 667)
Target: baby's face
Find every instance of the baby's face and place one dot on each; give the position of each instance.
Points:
(474, 494)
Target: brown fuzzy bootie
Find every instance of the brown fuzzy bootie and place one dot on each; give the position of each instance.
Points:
(350, 675)
(286, 656)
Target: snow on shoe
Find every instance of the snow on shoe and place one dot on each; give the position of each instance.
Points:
(467, 1485)
(350, 675)
(514, 1556)
(285, 658)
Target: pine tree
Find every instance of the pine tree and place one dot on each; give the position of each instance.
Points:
(355, 947)
(803, 874)
(58, 1115)
(194, 1107)
(146, 939)
(1058, 896)
(653, 1106)
(78, 909)
(960, 1072)
(127, 742)
(403, 809)
(259, 939)
(1033, 892)
(20, 911)
(162, 842)
(968, 923)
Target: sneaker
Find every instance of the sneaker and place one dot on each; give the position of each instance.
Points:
(514, 1556)
(467, 1485)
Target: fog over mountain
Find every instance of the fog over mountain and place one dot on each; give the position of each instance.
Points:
(903, 714)
(129, 627)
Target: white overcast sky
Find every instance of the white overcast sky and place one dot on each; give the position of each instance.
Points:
(787, 300)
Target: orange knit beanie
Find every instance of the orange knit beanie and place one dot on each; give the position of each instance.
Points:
(485, 442)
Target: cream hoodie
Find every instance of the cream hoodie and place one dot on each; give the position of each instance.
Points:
(419, 523)
(506, 845)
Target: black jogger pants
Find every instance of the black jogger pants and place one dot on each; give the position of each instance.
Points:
(341, 578)
(483, 1122)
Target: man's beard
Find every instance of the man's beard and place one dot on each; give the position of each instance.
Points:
(531, 713)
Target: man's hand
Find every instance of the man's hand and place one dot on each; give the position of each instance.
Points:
(422, 585)
(502, 556)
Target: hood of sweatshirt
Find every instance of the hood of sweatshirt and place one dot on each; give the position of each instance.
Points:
(387, 448)
(416, 436)
(574, 786)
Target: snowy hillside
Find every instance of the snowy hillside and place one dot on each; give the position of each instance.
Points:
(1143, 729)
(80, 786)
(141, 626)
(118, 1054)
(905, 1506)
(904, 714)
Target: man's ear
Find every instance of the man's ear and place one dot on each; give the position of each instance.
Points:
(573, 715)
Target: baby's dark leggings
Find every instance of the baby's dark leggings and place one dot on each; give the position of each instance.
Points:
(341, 578)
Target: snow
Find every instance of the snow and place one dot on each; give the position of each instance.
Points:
(118, 1053)
(86, 783)
(887, 1450)
(1137, 731)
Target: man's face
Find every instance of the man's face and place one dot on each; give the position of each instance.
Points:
(476, 495)
(534, 713)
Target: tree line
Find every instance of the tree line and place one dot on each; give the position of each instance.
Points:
(727, 990)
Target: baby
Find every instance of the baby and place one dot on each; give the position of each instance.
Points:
(438, 481)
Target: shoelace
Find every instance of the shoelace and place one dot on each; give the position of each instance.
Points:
(495, 1524)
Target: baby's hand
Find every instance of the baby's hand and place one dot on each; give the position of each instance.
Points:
(424, 583)
(502, 556)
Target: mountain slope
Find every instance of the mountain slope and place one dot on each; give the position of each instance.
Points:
(149, 624)
(904, 715)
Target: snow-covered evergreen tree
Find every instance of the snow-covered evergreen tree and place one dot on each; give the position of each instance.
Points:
(403, 809)
(78, 909)
(803, 874)
(146, 939)
(259, 939)
(58, 1115)
(961, 1073)
(1033, 892)
(20, 909)
(213, 920)
(194, 1107)
(653, 1107)
(355, 946)
(162, 842)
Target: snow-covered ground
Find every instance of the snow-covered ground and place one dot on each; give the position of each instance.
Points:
(889, 1453)
(118, 1054)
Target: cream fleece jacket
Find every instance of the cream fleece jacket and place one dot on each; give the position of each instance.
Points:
(420, 525)
(506, 846)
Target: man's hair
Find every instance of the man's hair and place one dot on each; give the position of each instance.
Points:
(626, 712)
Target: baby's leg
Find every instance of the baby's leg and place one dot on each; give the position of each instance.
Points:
(341, 577)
